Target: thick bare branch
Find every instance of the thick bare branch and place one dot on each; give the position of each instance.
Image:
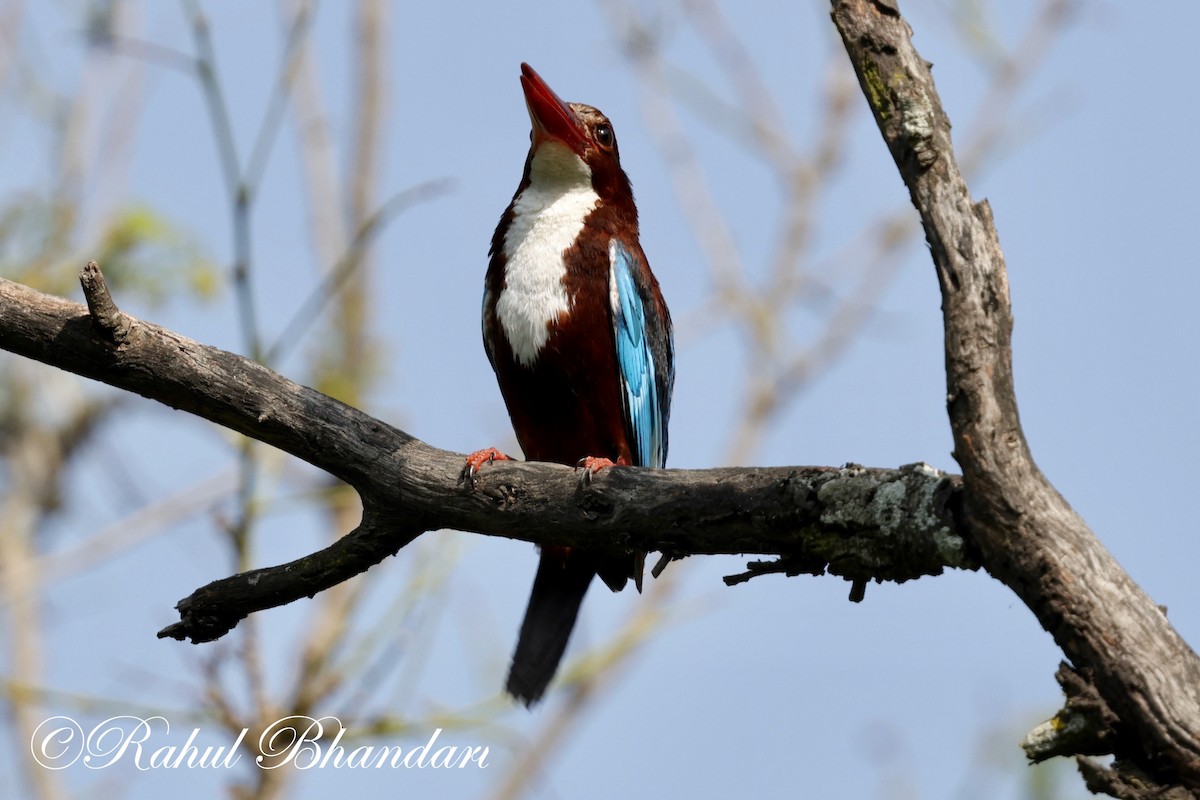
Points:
(1030, 538)
(863, 524)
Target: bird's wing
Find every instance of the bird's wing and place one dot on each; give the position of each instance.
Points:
(486, 315)
(644, 356)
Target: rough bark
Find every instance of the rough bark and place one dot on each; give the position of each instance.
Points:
(1029, 537)
(862, 524)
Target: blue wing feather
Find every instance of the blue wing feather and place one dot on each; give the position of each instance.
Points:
(645, 383)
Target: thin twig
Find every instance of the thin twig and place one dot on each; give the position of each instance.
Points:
(325, 291)
(272, 120)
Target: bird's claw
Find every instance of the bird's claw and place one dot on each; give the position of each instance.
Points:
(470, 470)
(591, 465)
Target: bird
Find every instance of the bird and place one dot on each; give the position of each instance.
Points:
(580, 339)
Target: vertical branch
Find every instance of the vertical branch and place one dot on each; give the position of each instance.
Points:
(10, 23)
(1031, 538)
(242, 186)
(318, 674)
(240, 195)
(37, 452)
(362, 179)
(318, 161)
(227, 156)
(31, 463)
(46, 420)
(342, 364)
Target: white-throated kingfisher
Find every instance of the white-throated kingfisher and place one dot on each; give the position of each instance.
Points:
(580, 339)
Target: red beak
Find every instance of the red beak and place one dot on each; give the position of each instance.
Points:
(552, 118)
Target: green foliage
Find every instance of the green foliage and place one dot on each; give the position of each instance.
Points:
(141, 251)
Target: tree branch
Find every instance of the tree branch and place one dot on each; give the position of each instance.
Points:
(859, 523)
(1030, 538)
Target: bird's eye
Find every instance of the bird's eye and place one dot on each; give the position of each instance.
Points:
(604, 135)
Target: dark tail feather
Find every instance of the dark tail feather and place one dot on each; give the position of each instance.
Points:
(558, 590)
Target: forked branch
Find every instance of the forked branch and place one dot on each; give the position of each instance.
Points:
(859, 523)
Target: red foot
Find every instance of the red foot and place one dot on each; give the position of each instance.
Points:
(593, 464)
(478, 459)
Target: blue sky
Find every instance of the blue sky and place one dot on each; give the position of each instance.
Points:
(780, 687)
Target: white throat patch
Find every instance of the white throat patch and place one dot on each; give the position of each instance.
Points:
(547, 217)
